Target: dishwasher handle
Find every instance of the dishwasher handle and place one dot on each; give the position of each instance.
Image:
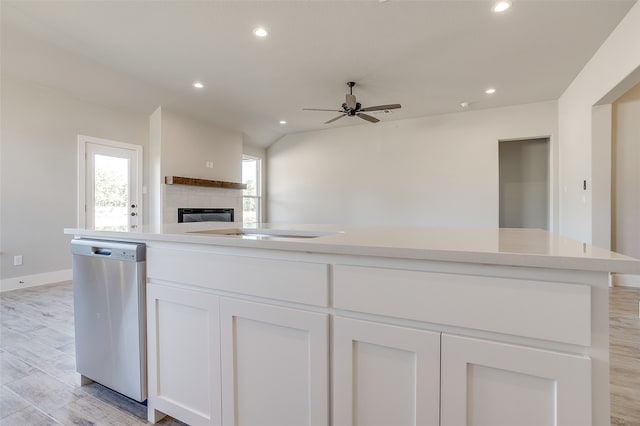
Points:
(116, 250)
(101, 251)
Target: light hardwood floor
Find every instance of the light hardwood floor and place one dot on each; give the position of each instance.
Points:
(37, 366)
(624, 353)
(40, 384)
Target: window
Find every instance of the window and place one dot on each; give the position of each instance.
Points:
(111, 193)
(252, 196)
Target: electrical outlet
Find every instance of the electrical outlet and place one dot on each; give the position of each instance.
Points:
(17, 260)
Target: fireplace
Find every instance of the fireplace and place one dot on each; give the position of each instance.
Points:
(205, 215)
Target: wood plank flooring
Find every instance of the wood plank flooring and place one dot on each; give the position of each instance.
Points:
(39, 384)
(624, 355)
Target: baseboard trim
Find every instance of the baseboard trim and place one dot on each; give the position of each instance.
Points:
(626, 280)
(8, 284)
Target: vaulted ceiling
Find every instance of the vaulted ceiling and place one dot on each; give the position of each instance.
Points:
(429, 56)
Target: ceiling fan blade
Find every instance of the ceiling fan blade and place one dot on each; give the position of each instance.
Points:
(320, 109)
(334, 119)
(381, 107)
(351, 101)
(368, 117)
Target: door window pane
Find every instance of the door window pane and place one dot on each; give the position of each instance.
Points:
(111, 193)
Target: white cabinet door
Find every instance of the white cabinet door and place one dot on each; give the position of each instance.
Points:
(495, 384)
(274, 365)
(183, 335)
(384, 375)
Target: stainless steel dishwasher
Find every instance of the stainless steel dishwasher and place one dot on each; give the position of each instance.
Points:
(109, 310)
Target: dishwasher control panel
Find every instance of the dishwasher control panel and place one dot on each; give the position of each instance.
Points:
(117, 254)
(115, 250)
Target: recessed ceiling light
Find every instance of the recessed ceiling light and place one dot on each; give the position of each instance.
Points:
(260, 32)
(464, 104)
(283, 122)
(501, 6)
(198, 85)
(490, 91)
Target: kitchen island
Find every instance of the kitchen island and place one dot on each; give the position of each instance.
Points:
(317, 325)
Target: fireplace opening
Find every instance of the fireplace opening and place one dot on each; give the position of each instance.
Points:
(204, 215)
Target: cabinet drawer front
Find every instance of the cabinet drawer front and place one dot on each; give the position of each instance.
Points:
(300, 282)
(543, 310)
(275, 365)
(183, 335)
(384, 374)
(489, 383)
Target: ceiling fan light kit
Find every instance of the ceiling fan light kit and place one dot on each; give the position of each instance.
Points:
(352, 108)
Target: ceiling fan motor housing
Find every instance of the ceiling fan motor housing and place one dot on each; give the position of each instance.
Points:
(352, 108)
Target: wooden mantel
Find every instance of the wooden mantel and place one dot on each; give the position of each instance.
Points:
(178, 180)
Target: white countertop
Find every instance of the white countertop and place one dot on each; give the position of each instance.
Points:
(516, 247)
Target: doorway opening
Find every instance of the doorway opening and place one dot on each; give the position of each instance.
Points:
(524, 183)
(625, 180)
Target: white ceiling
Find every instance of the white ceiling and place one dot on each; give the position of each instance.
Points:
(428, 56)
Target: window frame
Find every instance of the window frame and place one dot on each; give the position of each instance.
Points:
(259, 189)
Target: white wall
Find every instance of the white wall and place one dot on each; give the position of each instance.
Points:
(182, 146)
(187, 144)
(609, 73)
(600, 184)
(153, 166)
(626, 176)
(431, 171)
(254, 151)
(38, 171)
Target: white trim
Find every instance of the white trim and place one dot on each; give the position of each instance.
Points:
(81, 181)
(8, 284)
(626, 280)
(83, 140)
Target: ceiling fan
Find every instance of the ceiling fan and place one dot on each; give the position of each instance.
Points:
(353, 108)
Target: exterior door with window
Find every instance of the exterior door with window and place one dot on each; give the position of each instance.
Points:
(112, 185)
